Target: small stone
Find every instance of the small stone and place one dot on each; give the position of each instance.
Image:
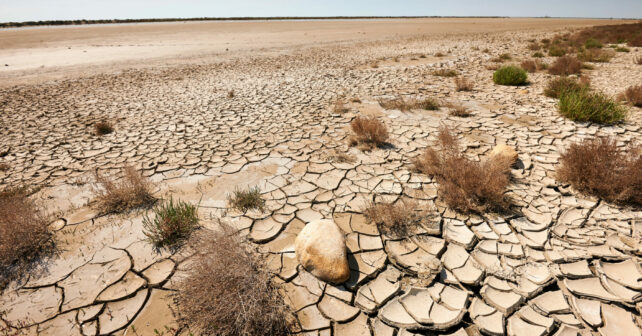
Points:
(321, 249)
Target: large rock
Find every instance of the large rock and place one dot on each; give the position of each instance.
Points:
(320, 247)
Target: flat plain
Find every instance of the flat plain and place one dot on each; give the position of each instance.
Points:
(204, 108)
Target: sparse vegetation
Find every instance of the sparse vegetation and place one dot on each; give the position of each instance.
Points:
(565, 65)
(445, 73)
(399, 219)
(439, 54)
(132, 191)
(172, 223)
(229, 291)
(410, 104)
(597, 167)
(368, 133)
(592, 43)
(458, 110)
(533, 65)
(638, 60)
(466, 185)
(510, 75)
(622, 49)
(463, 84)
(103, 127)
(340, 107)
(595, 55)
(24, 234)
(556, 51)
(231, 94)
(586, 105)
(633, 95)
(538, 55)
(340, 157)
(559, 85)
(244, 200)
(534, 46)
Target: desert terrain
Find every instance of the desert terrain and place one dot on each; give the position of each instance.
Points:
(205, 108)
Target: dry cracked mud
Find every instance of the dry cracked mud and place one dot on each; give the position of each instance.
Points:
(563, 264)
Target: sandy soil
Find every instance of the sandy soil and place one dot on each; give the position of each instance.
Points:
(42, 53)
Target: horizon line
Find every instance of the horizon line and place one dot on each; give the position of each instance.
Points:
(54, 22)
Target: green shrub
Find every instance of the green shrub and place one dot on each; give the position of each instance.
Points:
(538, 55)
(510, 75)
(585, 105)
(173, 222)
(559, 85)
(556, 51)
(592, 43)
(595, 55)
(244, 200)
(622, 49)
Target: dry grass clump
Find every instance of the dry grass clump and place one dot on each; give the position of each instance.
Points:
(633, 95)
(502, 58)
(565, 65)
(399, 219)
(538, 55)
(466, 185)
(229, 291)
(445, 73)
(340, 157)
(103, 127)
(596, 166)
(595, 55)
(340, 107)
(463, 84)
(533, 66)
(132, 191)
(638, 60)
(556, 86)
(458, 110)
(172, 223)
(411, 104)
(368, 132)
(244, 200)
(24, 234)
(586, 105)
(231, 94)
(534, 46)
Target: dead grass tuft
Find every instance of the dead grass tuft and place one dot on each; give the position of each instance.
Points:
(465, 185)
(130, 192)
(410, 104)
(565, 65)
(397, 220)
(340, 107)
(24, 234)
(463, 84)
(596, 166)
(633, 95)
(231, 94)
(244, 200)
(638, 60)
(229, 291)
(103, 127)
(340, 157)
(445, 73)
(368, 132)
(458, 110)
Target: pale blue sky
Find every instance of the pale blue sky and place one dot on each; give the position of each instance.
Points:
(24, 10)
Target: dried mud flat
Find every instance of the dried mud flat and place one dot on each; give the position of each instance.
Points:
(568, 264)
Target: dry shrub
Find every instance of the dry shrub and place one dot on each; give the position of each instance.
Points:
(244, 200)
(340, 157)
(4, 166)
(368, 132)
(231, 94)
(340, 107)
(463, 84)
(534, 46)
(439, 54)
(556, 86)
(529, 66)
(24, 234)
(466, 185)
(595, 55)
(633, 95)
(638, 60)
(406, 105)
(596, 166)
(397, 220)
(458, 110)
(445, 73)
(565, 65)
(229, 291)
(502, 58)
(130, 192)
(103, 127)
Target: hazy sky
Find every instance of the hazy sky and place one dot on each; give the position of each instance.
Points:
(24, 10)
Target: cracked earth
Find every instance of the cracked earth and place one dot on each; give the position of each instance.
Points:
(568, 264)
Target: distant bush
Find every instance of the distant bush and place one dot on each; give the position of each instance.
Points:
(556, 51)
(172, 222)
(103, 127)
(534, 46)
(510, 75)
(565, 65)
(592, 43)
(597, 167)
(538, 55)
(595, 55)
(445, 73)
(622, 49)
(638, 60)
(463, 84)
(559, 85)
(585, 105)
(466, 185)
(409, 104)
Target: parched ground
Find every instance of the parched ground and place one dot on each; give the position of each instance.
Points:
(567, 264)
